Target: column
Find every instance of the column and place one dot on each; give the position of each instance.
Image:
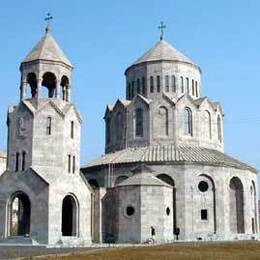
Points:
(23, 90)
(58, 89)
(38, 89)
(68, 93)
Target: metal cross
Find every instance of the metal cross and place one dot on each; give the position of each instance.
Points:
(161, 28)
(48, 20)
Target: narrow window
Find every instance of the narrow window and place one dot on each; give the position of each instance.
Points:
(167, 88)
(49, 125)
(196, 87)
(187, 121)
(188, 85)
(173, 83)
(204, 214)
(69, 163)
(138, 86)
(219, 129)
(182, 85)
(158, 84)
(208, 124)
(17, 158)
(118, 126)
(151, 85)
(72, 129)
(193, 88)
(108, 130)
(129, 91)
(139, 129)
(23, 160)
(143, 86)
(74, 164)
(133, 89)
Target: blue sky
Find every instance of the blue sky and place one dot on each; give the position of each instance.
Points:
(101, 38)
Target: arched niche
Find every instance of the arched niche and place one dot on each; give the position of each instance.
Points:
(69, 224)
(236, 206)
(31, 80)
(19, 214)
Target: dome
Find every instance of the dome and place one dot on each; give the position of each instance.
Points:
(163, 51)
(47, 49)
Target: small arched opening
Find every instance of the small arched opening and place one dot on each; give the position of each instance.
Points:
(49, 81)
(69, 216)
(236, 206)
(169, 180)
(32, 82)
(65, 88)
(19, 215)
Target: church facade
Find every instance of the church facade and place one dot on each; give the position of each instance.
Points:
(164, 175)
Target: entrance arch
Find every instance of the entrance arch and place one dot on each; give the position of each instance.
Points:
(169, 180)
(236, 206)
(19, 214)
(69, 223)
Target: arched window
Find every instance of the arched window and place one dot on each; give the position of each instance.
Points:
(173, 83)
(72, 129)
(196, 88)
(182, 85)
(164, 124)
(65, 88)
(139, 129)
(167, 88)
(138, 86)
(187, 121)
(23, 160)
(118, 126)
(49, 123)
(208, 124)
(143, 86)
(49, 81)
(158, 79)
(193, 88)
(219, 129)
(188, 85)
(17, 161)
(32, 81)
(108, 130)
(133, 89)
(151, 84)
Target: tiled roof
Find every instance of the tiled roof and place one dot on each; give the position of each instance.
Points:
(163, 51)
(170, 153)
(47, 49)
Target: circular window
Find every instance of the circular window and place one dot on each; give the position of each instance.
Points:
(168, 211)
(130, 211)
(203, 186)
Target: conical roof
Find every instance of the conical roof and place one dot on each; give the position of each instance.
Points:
(47, 49)
(163, 51)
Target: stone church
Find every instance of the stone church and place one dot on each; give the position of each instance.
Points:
(164, 175)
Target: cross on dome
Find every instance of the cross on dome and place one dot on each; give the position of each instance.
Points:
(48, 20)
(161, 27)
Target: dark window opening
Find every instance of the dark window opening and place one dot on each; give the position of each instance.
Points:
(168, 211)
(49, 125)
(23, 160)
(138, 86)
(17, 158)
(69, 163)
(151, 85)
(203, 186)
(130, 211)
(167, 88)
(139, 123)
(204, 214)
(71, 129)
(158, 84)
(143, 86)
(73, 164)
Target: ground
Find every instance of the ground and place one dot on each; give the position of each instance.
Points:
(180, 251)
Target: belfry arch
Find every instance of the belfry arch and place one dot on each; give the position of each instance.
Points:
(69, 225)
(236, 206)
(49, 81)
(19, 214)
(169, 180)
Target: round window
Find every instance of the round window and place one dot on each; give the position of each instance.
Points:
(168, 211)
(130, 211)
(203, 186)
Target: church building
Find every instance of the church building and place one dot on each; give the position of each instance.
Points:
(164, 175)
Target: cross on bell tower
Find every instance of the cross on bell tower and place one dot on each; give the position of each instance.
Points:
(161, 27)
(48, 21)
